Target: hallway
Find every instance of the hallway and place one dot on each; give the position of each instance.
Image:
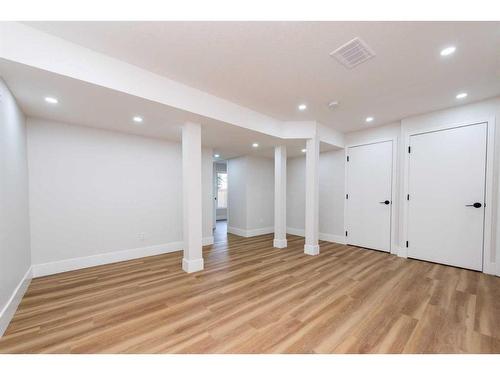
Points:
(220, 231)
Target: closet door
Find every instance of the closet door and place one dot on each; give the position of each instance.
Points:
(369, 192)
(447, 176)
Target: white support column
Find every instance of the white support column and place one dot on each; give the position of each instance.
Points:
(280, 197)
(311, 246)
(191, 197)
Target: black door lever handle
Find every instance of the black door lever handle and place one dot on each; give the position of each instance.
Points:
(475, 205)
(385, 202)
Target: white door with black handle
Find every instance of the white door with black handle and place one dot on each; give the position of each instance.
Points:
(369, 195)
(446, 187)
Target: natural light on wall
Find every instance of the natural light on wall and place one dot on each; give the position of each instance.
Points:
(221, 190)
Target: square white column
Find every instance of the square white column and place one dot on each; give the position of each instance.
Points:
(311, 246)
(280, 197)
(191, 197)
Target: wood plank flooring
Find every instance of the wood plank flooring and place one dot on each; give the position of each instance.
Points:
(252, 298)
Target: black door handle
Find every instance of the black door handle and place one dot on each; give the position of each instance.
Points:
(385, 202)
(475, 205)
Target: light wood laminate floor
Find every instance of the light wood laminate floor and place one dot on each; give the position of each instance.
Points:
(252, 298)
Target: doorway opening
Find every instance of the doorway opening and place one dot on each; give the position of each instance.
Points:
(220, 201)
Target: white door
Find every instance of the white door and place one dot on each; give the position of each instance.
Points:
(369, 195)
(447, 175)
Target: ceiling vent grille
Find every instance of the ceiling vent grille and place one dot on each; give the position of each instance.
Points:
(353, 53)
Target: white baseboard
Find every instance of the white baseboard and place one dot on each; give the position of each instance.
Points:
(332, 238)
(311, 249)
(72, 264)
(322, 236)
(250, 232)
(236, 231)
(10, 308)
(192, 265)
(207, 241)
(279, 243)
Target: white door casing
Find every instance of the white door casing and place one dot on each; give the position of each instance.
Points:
(447, 174)
(369, 195)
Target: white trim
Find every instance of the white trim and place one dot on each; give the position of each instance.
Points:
(51, 268)
(280, 243)
(250, 232)
(322, 236)
(311, 249)
(488, 246)
(398, 251)
(332, 238)
(10, 307)
(394, 175)
(192, 265)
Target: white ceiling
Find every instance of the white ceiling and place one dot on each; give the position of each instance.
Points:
(81, 103)
(271, 67)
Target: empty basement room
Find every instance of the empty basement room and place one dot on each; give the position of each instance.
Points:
(236, 187)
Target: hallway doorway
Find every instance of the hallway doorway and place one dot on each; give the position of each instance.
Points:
(220, 231)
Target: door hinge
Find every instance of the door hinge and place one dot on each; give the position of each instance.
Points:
(347, 157)
(346, 233)
(347, 196)
(406, 243)
(408, 197)
(409, 149)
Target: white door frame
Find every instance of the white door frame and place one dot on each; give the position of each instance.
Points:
(488, 246)
(393, 246)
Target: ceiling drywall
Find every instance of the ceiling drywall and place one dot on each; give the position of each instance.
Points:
(81, 103)
(271, 67)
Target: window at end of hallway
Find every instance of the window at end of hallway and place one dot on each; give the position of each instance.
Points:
(221, 190)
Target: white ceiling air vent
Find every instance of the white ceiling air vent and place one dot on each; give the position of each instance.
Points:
(353, 53)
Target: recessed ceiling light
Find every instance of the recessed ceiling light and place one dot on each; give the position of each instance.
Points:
(216, 156)
(303, 150)
(369, 119)
(137, 119)
(302, 107)
(333, 105)
(448, 51)
(462, 95)
(51, 100)
(255, 145)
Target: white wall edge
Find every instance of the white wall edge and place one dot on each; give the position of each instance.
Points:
(10, 307)
(490, 268)
(250, 232)
(51, 268)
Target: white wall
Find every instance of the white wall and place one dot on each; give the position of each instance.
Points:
(260, 193)
(250, 195)
(14, 208)
(331, 195)
(236, 193)
(295, 193)
(94, 191)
